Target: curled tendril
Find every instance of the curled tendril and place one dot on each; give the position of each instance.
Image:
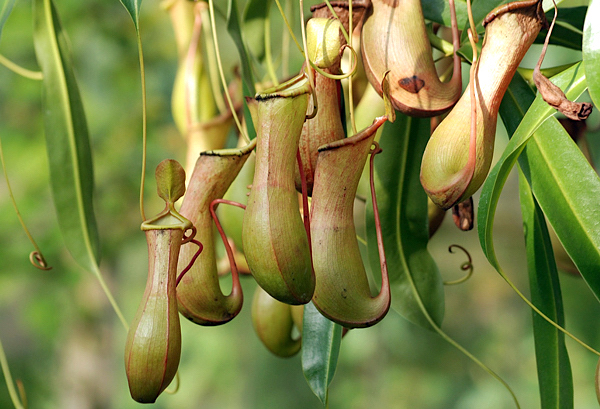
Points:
(191, 263)
(375, 149)
(37, 259)
(340, 76)
(334, 14)
(313, 92)
(187, 239)
(466, 266)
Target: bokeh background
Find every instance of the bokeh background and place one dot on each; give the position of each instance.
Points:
(65, 343)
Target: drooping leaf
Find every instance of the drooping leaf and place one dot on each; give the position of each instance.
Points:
(414, 277)
(563, 182)
(553, 365)
(133, 7)
(568, 190)
(6, 10)
(591, 50)
(321, 339)
(67, 140)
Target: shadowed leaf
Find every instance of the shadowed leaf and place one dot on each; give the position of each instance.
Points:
(67, 139)
(321, 339)
(553, 365)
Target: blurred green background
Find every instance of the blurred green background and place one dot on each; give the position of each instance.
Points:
(65, 343)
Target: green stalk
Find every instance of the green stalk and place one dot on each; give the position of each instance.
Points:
(24, 72)
(9, 382)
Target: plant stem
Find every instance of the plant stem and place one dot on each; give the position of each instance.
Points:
(144, 123)
(24, 72)
(350, 87)
(213, 27)
(110, 297)
(268, 56)
(37, 254)
(287, 23)
(213, 70)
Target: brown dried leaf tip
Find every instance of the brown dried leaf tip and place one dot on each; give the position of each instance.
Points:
(553, 95)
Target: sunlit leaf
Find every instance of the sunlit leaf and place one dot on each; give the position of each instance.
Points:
(414, 276)
(133, 7)
(563, 182)
(591, 50)
(321, 339)
(67, 139)
(553, 366)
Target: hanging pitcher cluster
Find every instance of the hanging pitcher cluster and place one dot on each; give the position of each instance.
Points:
(297, 232)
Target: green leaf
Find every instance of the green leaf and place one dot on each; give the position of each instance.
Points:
(568, 191)
(67, 140)
(565, 185)
(6, 10)
(321, 339)
(235, 30)
(572, 16)
(170, 180)
(133, 7)
(568, 29)
(255, 15)
(248, 88)
(438, 11)
(562, 36)
(591, 50)
(480, 10)
(553, 366)
(414, 277)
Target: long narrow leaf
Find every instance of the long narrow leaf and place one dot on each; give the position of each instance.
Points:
(553, 366)
(414, 277)
(565, 185)
(568, 191)
(321, 339)
(591, 49)
(248, 88)
(67, 139)
(235, 30)
(537, 113)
